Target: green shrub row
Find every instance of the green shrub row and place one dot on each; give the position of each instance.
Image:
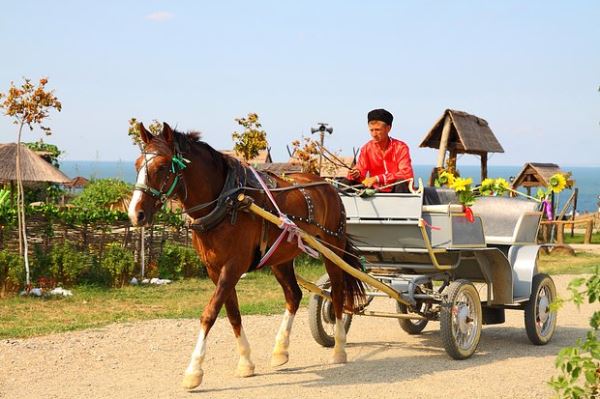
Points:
(67, 266)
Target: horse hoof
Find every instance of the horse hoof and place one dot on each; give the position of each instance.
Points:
(339, 357)
(279, 359)
(246, 370)
(192, 380)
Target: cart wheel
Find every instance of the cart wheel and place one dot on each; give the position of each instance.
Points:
(460, 319)
(321, 317)
(540, 322)
(410, 326)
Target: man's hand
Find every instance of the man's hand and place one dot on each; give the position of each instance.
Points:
(354, 174)
(369, 181)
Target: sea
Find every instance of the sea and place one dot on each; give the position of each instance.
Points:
(587, 179)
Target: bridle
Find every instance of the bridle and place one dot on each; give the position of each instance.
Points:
(178, 164)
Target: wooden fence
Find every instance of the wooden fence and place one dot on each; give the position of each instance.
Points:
(94, 239)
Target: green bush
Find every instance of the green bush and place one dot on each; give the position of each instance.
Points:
(118, 262)
(11, 271)
(67, 264)
(39, 263)
(177, 261)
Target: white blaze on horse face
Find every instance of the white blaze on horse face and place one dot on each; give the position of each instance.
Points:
(137, 194)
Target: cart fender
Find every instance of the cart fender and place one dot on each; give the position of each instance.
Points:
(523, 259)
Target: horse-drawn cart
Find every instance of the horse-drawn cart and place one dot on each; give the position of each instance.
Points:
(435, 263)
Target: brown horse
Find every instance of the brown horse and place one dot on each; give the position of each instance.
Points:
(230, 241)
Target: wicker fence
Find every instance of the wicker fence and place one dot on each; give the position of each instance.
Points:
(44, 234)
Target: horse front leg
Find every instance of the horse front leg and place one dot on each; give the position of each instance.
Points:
(245, 366)
(225, 285)
(284, 274)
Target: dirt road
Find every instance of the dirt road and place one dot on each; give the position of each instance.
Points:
(147, 359)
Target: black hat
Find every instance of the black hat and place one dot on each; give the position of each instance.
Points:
(380, 115)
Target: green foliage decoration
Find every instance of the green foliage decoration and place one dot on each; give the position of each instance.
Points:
(579, 365)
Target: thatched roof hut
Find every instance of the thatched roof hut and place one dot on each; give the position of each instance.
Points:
(77, 182)
(280, 168)
(461, 133)
(536, 174)
(264, 156)
(33, 167)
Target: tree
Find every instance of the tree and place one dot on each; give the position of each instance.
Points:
(28, 105)
(134, 131)
(252, 140)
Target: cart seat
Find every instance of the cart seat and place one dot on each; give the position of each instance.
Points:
(438, 196)
(508, 221)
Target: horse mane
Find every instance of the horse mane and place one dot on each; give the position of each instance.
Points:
(190, 142)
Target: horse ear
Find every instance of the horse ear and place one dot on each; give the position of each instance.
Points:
(145, 135)
(167, 132)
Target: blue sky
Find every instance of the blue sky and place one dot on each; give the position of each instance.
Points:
(531, 69)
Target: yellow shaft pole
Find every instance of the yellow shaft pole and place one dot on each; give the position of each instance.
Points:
(329, 254)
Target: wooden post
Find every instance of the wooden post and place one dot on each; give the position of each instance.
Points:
(560, 233)
(442, 150)
(575, 195)
(444, 141)
(484, 172)
(589, 226)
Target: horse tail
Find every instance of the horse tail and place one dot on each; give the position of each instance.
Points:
(354, 290)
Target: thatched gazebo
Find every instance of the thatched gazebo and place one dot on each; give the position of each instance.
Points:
(33, 167)
(536, 174)
(461, 133)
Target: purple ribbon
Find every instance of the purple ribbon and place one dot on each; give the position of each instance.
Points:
(548, 209)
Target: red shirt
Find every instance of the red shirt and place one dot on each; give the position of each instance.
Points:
(387, 166)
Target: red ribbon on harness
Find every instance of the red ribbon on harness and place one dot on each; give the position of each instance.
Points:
(289, 227)
(430, 226)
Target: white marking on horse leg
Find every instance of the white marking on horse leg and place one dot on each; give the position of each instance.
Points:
(137, 194)
(282, 340)
(339, 349)
(194, 373)
(245, 367)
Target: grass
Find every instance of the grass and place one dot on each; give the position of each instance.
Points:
(584, 262)
(578, 238)
(258, 293)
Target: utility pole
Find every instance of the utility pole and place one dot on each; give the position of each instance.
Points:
(323, 127)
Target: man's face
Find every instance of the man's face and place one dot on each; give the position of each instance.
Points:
(379, 131)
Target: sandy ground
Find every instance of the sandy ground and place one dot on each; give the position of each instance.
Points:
(147, 359)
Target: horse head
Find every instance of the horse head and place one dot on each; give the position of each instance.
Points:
(159, 170)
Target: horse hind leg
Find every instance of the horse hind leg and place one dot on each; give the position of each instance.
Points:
(245, 366)
(336, 276)
(284, 273)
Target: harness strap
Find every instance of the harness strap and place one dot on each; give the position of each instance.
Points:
(288, 227)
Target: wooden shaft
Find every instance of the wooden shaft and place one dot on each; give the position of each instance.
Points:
(315, 289)
(392, 315)
(329, 254)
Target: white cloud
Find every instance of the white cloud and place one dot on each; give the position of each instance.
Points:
(160, 16)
